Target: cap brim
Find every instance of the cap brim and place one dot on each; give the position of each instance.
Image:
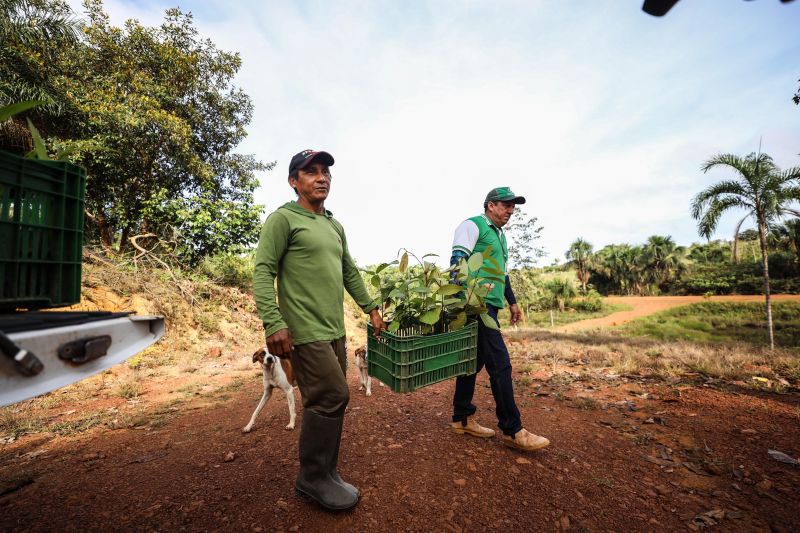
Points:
(319, 157)
(515, 199)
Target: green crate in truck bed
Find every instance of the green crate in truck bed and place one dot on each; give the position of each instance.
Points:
(408, 361)
(41, 231)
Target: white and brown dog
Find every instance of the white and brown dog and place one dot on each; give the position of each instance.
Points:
(364, 379)
(275, 375)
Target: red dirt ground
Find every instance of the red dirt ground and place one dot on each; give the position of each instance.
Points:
(626, 455)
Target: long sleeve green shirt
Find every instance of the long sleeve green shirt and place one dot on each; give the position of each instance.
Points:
(307, 254)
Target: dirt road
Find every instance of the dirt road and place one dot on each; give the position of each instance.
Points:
(626, 456)
(648, 305)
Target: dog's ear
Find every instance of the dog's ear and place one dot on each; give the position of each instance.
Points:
(361, 352)
(258, 357)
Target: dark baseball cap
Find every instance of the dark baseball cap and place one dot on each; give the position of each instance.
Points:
(306, 157)
(504, 194)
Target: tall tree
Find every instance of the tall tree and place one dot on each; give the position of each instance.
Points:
(523, 234)
(764, 191)
(665, 259)
(160, 104)
(155, 118)
(580, 256)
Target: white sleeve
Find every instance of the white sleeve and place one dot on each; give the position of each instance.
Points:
(466, 236)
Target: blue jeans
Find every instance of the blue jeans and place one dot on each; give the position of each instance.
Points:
(492, 354)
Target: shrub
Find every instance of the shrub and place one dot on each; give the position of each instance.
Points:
(591, 303)
(230, 269)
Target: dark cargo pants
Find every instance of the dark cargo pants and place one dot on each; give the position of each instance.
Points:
(493, 354)
(320, 369)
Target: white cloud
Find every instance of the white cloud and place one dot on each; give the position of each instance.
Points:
(597, 113)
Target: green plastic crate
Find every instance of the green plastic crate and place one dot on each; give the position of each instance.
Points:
(407, 362)
(41, 232)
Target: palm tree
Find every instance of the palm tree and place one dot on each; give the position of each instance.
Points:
(580, 255)
(665, 259)
(34, 34)
(787, 237)
(561, 292)
(763, 190)
(635, 263)
(611, 263)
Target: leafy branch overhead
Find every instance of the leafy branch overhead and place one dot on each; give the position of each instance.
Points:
(429, 299)
(151, 113)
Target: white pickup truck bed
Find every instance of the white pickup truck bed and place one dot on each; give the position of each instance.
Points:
(61, 341)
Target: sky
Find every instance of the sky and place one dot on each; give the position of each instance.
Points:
(600, 115)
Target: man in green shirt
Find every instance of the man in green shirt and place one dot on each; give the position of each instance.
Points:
(304, 248)
(479, 234)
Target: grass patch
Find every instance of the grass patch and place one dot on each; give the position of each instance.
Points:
(83, 423)
(190, 389)
(235, 384)
(15, 423)
(604, 482)
(128, 389)
(597, 354)
(587, 404)
(721, 322)
(541, 319)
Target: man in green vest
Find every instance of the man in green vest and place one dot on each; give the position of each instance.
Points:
(477, 234)
(304, 248)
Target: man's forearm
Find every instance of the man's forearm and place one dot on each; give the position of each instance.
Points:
(508, 292)
(455, 259)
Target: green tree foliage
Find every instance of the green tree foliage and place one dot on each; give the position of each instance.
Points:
(580, 255)
(664, 260)
(761, 189)
(155, 120)
(527, 287)
(167, 119)
(786, 237)
(620, 268)
(34, 36)
(702, 268)
(711, 252)
(650, 268)
(560, 292)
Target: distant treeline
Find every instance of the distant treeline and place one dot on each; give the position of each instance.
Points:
(659, 266)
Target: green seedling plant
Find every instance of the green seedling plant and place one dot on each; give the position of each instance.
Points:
(427, 299)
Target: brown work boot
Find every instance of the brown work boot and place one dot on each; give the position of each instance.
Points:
(470, 427)
(525, 440)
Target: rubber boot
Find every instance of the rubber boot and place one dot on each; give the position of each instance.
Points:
(318, 440)
(335, 461)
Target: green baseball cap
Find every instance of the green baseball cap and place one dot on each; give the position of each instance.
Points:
(504, 194)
